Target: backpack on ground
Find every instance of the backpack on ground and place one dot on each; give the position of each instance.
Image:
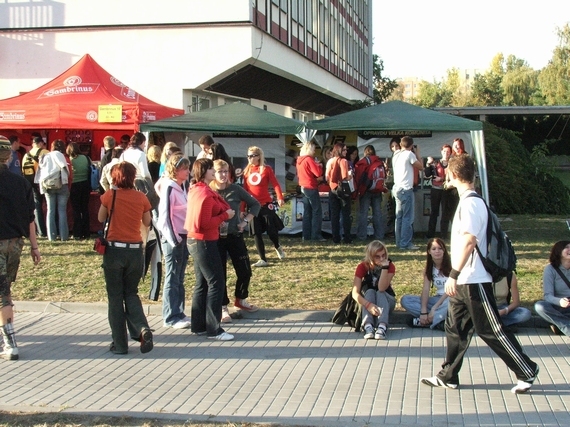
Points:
(30, 164)
(501, 258)
(370, 175)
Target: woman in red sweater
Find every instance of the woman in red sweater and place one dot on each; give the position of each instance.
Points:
(206, 211)
(310, 172)
(257, 177)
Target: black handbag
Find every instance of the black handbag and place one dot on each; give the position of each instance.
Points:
(100, 245)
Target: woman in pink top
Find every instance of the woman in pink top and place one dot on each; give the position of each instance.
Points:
(206, 211)
(257, 177)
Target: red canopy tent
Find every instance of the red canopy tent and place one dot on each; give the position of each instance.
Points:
(83, 97)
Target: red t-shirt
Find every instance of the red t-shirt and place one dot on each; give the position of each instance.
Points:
(257, 184)
(363, 268)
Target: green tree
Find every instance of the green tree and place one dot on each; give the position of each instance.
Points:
(382, 86)
(520, 83)
(486, 89)
(554, 79)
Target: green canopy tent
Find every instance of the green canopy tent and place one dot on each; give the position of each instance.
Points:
(236, 117)
(403, 117)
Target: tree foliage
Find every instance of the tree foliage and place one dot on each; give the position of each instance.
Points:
(519, 184)
(382, 86)
(555, 77)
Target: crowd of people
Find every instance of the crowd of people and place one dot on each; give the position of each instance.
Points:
(199, 210)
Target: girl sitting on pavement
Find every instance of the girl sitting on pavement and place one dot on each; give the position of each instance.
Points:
(372, 289)
(430, 311)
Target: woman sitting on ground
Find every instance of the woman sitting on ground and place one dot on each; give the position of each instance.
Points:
(430, 311)
(555, 308)
(372, 289)
(508, 301)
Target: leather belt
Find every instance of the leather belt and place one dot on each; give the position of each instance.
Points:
(125, 245)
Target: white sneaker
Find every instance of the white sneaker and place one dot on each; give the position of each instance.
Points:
(280, 253)
(224, 336)
(181, 324)
(260, 263)
(245, 305)
(226, 318)
(10, 353)
(368, 332)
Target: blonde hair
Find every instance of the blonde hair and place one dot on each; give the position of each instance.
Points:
(153, 153)
(308, 149)
(371, 249)
(176, 162)
(256, 150)
(165, 151)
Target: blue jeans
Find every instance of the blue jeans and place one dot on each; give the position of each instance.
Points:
(312, 214)
(518, 315)
(209, 287)
(404, 217)
(368, 200)
(337, 206)
(384, 301)
(413, 305)
(174, 295)
(57, 201)
(558, 316)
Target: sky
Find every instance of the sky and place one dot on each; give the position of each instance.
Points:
(425, 38)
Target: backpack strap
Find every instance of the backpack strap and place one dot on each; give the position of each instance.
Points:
(489, 231)
(562, 276)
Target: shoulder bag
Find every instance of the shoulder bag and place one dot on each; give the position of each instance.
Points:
(100, 245)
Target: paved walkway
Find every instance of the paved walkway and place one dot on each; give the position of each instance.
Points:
(283, 367)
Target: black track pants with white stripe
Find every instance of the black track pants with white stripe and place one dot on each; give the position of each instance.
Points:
(473, 309)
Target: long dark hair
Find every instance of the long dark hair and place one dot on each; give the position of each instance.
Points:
(445, 262)
(556, 252)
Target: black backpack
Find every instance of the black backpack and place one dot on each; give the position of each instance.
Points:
(501, 258)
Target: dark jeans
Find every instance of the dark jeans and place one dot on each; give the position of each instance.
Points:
(436, 197)
(79, 198)
(312, 214)
(234, 246)
(123, 270)
(209, 287)
(473, 309)
(337, 206)
(40, 218)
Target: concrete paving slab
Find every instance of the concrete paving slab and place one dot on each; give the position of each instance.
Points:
(295, 372)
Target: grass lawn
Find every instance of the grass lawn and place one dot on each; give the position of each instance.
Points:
(313, 276)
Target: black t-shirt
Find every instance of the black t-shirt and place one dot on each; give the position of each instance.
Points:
(16, 205)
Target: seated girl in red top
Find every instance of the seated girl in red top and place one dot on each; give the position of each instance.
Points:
(257, 178)
(372, 289)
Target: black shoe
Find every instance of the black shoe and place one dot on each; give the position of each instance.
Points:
(146, 341)
(555, 330)
(114, 350)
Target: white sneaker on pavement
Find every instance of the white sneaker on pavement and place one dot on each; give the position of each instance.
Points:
(226, 318)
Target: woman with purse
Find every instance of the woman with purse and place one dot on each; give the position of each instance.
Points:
(55, 178)
(257, 177)
(125, 209)
(337, 175)
(372, 289)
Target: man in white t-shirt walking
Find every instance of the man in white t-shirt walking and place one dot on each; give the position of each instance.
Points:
(404, 163)
(472, 306)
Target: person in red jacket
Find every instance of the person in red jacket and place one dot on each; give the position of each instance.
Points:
(257, 178)
(310, 172)
(207, 210)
